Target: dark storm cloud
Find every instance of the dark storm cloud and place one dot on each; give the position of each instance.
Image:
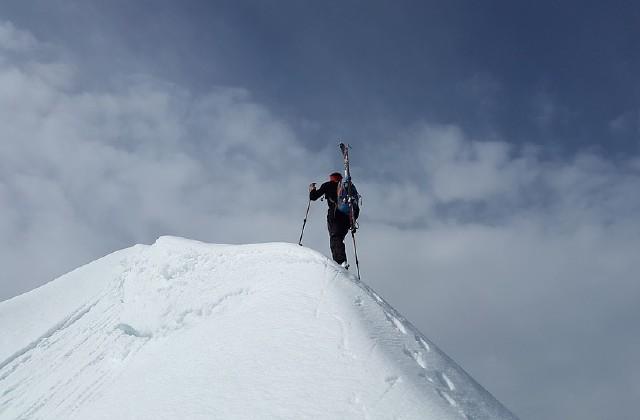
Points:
(495, 68)
(495, 144)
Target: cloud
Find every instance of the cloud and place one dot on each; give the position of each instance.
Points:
(626, 123)
(84, 172)
(519, 265)
(13, 39)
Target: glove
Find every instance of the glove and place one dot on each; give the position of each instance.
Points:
(312, 186)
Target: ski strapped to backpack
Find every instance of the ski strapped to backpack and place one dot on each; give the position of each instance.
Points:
(349, 201)
(348, 198)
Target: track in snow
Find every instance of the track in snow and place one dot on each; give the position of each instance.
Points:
(349, 352)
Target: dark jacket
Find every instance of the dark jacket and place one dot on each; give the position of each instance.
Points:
(338, 223)
(330, 192)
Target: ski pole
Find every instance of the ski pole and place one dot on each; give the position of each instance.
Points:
(304, 223)
(355, 252)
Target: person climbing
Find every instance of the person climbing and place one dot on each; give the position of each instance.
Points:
(338, 222)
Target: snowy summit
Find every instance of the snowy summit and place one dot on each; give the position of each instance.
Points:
(186, 330)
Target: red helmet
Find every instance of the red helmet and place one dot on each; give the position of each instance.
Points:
(336, 177)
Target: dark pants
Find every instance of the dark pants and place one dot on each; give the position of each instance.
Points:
(338, 224)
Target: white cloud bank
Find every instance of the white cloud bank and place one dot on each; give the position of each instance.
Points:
(505, 246)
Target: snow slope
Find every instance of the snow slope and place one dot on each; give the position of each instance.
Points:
(183, 329)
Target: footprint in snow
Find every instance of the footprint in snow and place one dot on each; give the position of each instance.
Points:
(423, 343)
(446, 381)
(391, 381)
(129, 330)
(396, 322)
(440, 380)
(448, 398)
(417, 357)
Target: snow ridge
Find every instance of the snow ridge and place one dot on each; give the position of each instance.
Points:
(183, 329)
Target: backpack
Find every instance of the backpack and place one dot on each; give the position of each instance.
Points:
(348, 198)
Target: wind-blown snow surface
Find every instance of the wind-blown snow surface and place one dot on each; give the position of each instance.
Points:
(183, 329)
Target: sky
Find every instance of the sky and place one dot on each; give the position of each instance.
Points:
(496, 145)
